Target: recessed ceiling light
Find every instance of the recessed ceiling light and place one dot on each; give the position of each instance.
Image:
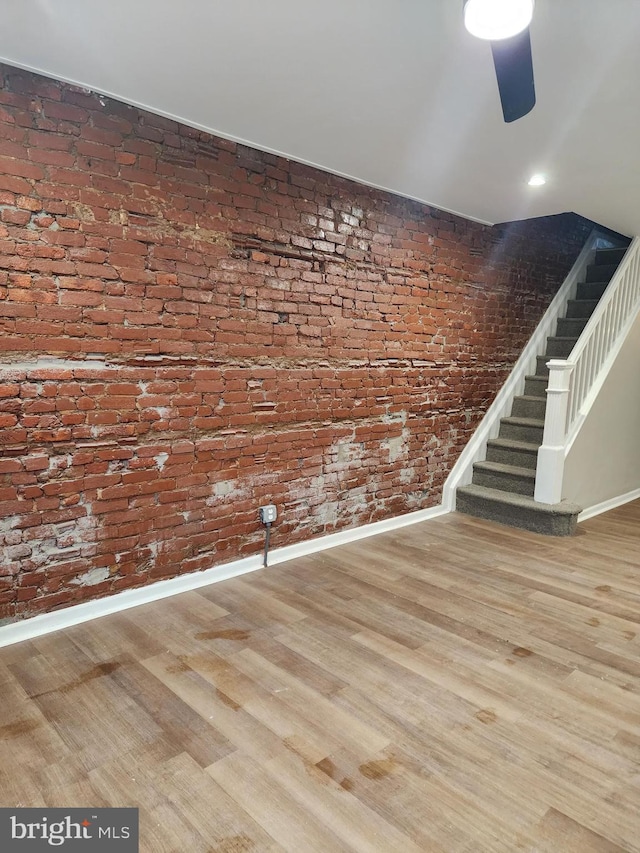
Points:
(497, 19)
(537, 180)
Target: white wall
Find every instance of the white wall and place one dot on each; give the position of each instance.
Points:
(604, 461)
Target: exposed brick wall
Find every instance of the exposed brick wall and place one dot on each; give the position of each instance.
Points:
(225, 328)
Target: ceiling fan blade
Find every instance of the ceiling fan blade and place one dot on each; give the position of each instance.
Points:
(514, 71)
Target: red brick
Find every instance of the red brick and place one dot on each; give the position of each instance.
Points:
(21, 169)
(51, 158)
(66, 112)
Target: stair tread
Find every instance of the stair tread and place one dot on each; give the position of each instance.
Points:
(580, 301)
(513, 444)
(502, 468)
(534, 398)
(499, 496)
(562, 338)
(615, 249)
(516, 419)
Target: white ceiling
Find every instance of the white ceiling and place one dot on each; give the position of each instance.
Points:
(394, 93)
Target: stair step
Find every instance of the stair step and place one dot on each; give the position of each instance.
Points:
(580, 308)
(571, 327)
(591, 289)
(517, 510)
(522, 429)
(506, 478)
(600, 272)
(508, 451)
(525, 406)
(558, 347)
(536, 386)
(610, 256)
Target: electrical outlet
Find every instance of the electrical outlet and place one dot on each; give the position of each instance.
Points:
(268, 513)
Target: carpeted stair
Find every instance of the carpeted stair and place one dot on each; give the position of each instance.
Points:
(503, 485)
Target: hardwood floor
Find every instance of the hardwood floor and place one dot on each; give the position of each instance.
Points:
(452, 687)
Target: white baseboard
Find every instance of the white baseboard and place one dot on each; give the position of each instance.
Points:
(45, 623)
(605, 506)
(331, 540)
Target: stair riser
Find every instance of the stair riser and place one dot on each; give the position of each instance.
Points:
(581, 308)
(591, 290)
(609, 256)
(508, 456)
(600, 272)
(541, 366)
(521, 433)
(504, 482)
(551, 525)
(569, 327)
(536, 387)
(523, 408)
(557, 348)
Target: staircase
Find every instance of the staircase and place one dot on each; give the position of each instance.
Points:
(502, 486)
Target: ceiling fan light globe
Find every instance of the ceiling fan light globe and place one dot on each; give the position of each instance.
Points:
(497, 19)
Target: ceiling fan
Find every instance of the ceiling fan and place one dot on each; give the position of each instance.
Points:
(505, 24)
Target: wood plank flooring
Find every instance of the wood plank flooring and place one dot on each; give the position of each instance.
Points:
(451, 687)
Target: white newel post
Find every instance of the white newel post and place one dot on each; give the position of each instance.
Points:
(550, 467)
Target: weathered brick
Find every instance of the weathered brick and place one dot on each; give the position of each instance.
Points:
(263, 325)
